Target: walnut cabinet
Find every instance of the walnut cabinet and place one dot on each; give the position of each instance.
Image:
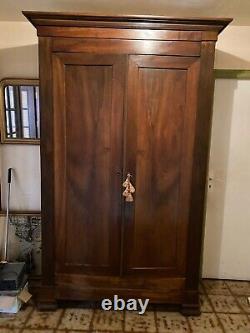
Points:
(124, 95)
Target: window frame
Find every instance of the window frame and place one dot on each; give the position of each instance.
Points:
(13, 82)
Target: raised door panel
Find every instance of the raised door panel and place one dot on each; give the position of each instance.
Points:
(162, 102)
(88, 113)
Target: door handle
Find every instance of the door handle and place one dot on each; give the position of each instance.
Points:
(129, 189)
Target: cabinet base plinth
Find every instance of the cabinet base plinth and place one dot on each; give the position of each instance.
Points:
(49, 305)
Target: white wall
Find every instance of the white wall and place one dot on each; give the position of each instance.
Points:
(18, 58)
(25, 188)
(233, 48)
(18, 50)
(227, 228)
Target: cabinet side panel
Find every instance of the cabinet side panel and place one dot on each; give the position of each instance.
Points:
(199, 174)
(47, 159)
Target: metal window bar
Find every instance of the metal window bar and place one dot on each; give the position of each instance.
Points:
(17, 96)
(31, 112)
(37, 96)
(8, 114)
(35, 111)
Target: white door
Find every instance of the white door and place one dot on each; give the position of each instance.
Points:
(227, 232)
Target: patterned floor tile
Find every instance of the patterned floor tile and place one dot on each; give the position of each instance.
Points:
(205, 305)
(235, 323)
(216, 287)
(15, 320)
(239, 287)
(171, 322)
(108, 320)
(44, 320)
(94, 331)
(244, 303)
(76, 319)
(226, 304)
(205, 323)
(140, 323)
(38, 331)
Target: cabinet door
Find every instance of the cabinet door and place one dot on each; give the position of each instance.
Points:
(88, 114)
(161, 111)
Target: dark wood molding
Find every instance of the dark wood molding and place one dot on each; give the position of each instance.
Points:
(115, 46)
(125, 21)
(21, 213)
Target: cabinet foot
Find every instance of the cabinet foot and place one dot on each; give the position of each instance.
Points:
(45, 298)
(191, 310)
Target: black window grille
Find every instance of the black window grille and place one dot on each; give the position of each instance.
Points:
(22, 113)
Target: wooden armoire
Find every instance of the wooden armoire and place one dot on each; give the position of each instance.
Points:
(124, 96)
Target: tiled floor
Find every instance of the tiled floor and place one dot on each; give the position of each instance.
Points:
(224, 310)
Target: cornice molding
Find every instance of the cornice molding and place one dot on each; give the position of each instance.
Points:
(126, 21)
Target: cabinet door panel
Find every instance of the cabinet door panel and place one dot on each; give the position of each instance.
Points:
(162, 101)
(88, 108)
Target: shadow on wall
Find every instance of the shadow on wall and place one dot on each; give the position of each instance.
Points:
(19, 62)
(224, 60)
(218, 169)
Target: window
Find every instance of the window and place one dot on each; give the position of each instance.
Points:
(21, 119)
